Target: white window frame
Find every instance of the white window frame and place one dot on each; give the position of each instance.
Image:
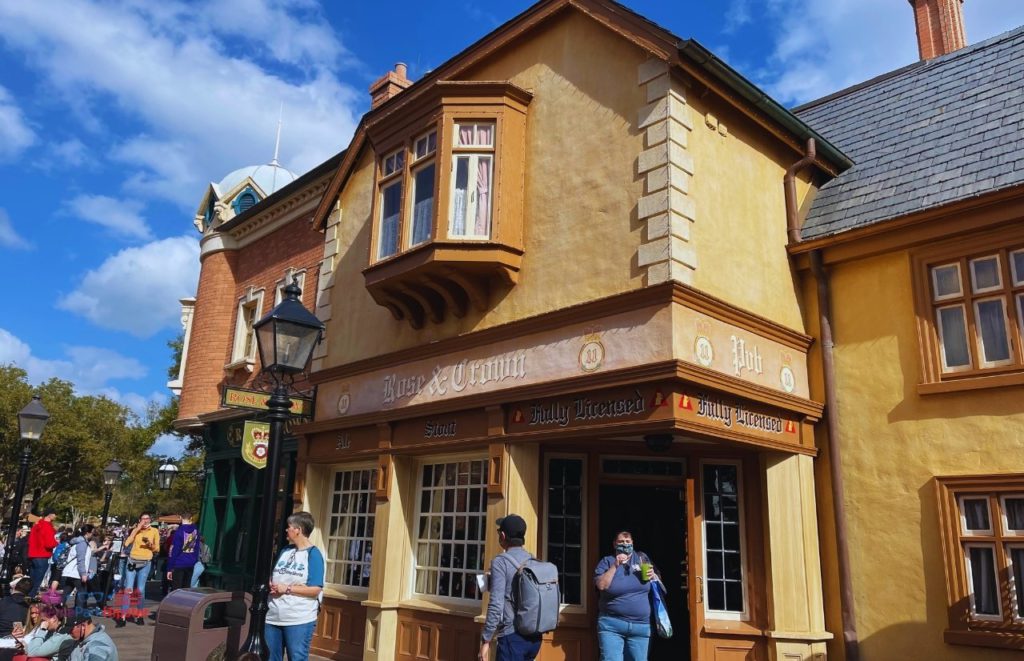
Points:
(395, 177)
(935, 282)
(1016, 599)
(238, 355)
(473, 152)
(414, 528)
(586, 579)
(946, 368)
(964, 530)
(710, 614)
(982, 358)
(974, 615)
(328, 513)
(999, 272)
(1007, 530)
(1018, 277)
(300, 277)
(416, 164)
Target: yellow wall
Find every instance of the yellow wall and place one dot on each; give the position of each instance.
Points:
(894, 442)
(740, 232)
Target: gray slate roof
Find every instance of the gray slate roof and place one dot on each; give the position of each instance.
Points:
(929, 134)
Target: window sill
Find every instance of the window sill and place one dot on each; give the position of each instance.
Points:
(732, 628)
(998, 639)
(235, 365)
(436, 278)
(467, 610)
(972, 383)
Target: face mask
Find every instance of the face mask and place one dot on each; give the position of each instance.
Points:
(624, 548)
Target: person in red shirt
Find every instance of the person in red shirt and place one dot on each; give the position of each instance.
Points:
(41, 542)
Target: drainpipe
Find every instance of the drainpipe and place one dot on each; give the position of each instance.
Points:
(850, 642)
(789, 185)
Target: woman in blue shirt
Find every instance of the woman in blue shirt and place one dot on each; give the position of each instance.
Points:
(296, 588)
(624, 607)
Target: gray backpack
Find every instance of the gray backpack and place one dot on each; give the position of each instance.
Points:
(535, 597)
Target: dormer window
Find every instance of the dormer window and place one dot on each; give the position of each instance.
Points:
(443, 236)
(211, 211)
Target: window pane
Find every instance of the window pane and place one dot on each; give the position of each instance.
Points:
(1013, 508)
(975, 514)
(1017, 560)
(350, 536)
(482, 218)
(723, 549)
(391, 203)
(1017, 262)
(953, 337)
(564, 538)
(946, 280)
(460, 196)
(985, 593)
(423, 204)
(991, 320)
(985, 274)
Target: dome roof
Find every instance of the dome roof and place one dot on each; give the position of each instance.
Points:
(269, 177)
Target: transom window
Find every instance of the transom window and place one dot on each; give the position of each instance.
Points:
(451, 523)
(723, 541)
(349, 534)
(983, 528)
(978, 310)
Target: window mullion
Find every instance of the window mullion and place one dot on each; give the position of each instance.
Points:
(973, 338)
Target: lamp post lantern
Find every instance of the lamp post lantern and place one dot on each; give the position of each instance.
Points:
(165, 476)
(31, 421)
(286, 337)
(111, 476)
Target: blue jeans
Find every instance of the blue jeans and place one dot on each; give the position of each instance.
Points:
(197, 571)
(514, 647)
(622, 640)
(295, 638)
(135, 581)
(37, 570)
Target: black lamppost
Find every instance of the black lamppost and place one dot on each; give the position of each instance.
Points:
(111, 476)
(286, 338)
(31, 421)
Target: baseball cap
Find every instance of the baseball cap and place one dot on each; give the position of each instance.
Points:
(513, 525)
(73, 622)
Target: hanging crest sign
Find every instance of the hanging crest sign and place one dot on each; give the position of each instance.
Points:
(256, 443)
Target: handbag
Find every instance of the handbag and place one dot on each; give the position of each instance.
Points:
(658, 611)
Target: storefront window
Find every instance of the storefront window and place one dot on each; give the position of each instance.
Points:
(565, 525)
(723, 543)
(350, 533)
(450, 528)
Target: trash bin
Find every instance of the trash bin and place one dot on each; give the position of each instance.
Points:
(196, 624)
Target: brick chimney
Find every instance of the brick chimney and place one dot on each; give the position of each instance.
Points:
(940, 26)
(389, 85)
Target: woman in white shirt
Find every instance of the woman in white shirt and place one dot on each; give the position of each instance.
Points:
(296, 588)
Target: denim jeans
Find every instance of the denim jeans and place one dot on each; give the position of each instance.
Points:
(513, 647)
(622, 640)
(37, 570)
(295, 638)
(135, 582)
(197, 571)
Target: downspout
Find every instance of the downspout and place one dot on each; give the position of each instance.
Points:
(850, 642)
(789, 185)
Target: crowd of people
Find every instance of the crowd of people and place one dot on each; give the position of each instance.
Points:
(63, 578)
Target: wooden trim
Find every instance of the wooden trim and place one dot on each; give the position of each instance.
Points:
(974, 383)
(636, 299)
(964, 217)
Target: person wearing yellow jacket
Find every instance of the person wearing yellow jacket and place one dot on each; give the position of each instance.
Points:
(144, 541)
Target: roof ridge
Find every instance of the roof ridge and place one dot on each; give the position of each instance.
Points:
(913, 66)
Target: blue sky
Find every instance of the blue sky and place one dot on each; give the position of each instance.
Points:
(114, 115)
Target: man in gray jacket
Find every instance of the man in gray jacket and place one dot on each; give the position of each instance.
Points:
(93, 643)
(500, 612)
(75, 574)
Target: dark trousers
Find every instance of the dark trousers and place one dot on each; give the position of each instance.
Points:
(37, 570)
(514, 647)
(181, 578)
(81, 596)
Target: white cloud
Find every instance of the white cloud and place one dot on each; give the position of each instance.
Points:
(9, 238)
(736, 16)
(15, 133)
(822, 47)
(71, 152)
(90, 369)
(137, 289)
(169, 445)
(203, 81)
(122, 217)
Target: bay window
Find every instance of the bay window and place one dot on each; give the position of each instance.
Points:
(447, 214)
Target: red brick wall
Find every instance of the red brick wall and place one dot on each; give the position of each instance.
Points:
(224, 278)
